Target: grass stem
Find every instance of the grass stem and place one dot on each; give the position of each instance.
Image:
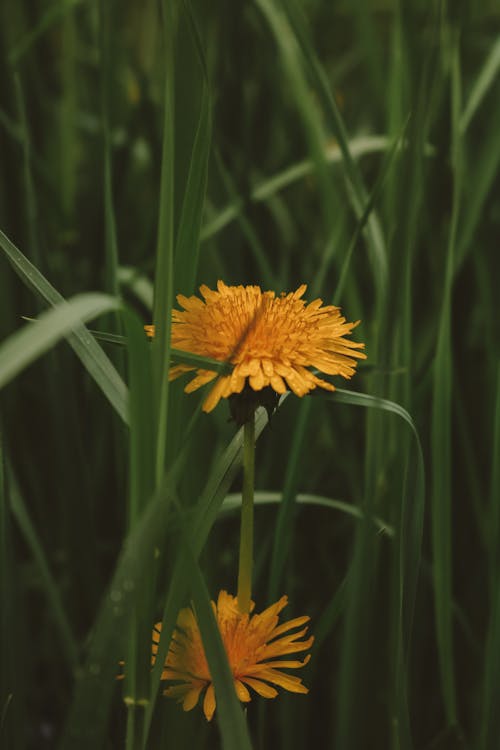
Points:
(246, 528)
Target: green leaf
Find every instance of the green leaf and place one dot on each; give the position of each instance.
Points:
(25, 346)
(229, 713)
(233, 502)
(90, 353)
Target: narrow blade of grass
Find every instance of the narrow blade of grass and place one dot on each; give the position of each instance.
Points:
(356, 188)
(291, 57)
(233, 502)
(141, 486)
(163, 291)
(87, 718)
(51, 590)
(90, 353)
(11, 713)
(205, 515)
(106, 57)
(441, 436)
(25, 346)
(188, 236)
(486, 78)
(412, 514)
(489, 729)
(229, 713)
(46, 20)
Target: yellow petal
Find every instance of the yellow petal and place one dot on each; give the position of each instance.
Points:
(215, 395)
(278, 384)
(290, 625)
(209, 702)
(300, 291)
(200, 380)
(289, 682)
(242, 692)
(191, 698)
(285, 663)
(268, 368)
(178, 370)
(177, 691)
(258, 381)
(262, 688)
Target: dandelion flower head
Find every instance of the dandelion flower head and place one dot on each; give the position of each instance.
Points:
(252, 643)
(271, 341)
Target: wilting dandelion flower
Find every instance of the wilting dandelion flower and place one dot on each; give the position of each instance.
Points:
(270, 341)
(252, 643)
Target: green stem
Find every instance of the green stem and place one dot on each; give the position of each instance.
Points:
(246, 528)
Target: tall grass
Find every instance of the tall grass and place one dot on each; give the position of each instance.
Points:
(145, 150)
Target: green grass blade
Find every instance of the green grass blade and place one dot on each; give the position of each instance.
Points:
(87, 719)
(271, 186)
(489, 729)
(188, 236)
(47, 19)
(229, 713)
(140, 285)
(141, 487)
(21, 514)
(177, 355)
(205, 515)
(484, 81)
(247, 230)
(84, 345)
(106, 57)
(284, 524)
(163, 291)
(25, 346)
(233, 502)
(316, 137)
(441, 434)
(483, 173)
(412, 514)
(11, 712)
(356, 188)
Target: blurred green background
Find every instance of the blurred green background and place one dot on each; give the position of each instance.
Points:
(146, 149)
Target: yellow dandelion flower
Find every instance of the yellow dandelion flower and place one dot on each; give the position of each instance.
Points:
(252, 643)
(270, 341)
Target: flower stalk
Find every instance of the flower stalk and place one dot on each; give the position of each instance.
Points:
(247, 510)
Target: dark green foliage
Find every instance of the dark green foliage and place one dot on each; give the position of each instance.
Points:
(147, 148)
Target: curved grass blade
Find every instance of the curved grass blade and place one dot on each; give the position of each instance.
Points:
(233, 502)
(138, 283)
(410, 535)
(269, 187)
(486, 78)
(284, 521)
(25, 346)
(86, 348)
